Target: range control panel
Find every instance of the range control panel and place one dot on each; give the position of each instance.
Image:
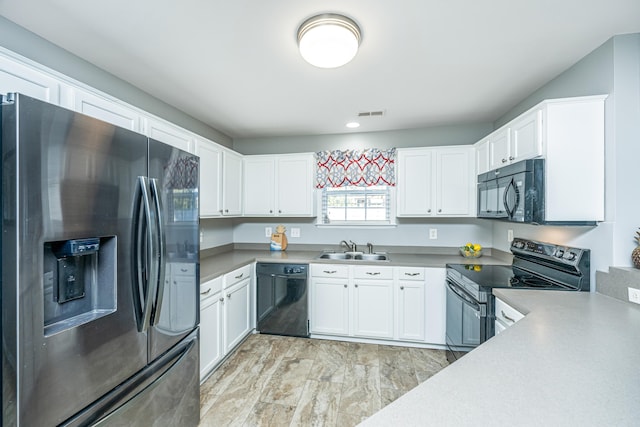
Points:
(557, 253)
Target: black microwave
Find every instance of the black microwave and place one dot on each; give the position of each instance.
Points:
(513, 193)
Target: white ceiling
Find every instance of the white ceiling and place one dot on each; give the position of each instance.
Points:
(234, 64)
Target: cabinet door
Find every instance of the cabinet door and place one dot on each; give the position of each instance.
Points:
(436, 301)
(329, 306)
(210, 334)
(373, 309)
(169, 134)
(15, 77)
(526, 136)
(499, 147)
(237, 316)
(414, 183)
(106, 110)
(295, 186)
(232, 183)
(411, 310)
(482, 157)
(259, 185)
(455, 184)
(210, 179)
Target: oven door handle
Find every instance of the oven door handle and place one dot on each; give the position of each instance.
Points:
(466, 298)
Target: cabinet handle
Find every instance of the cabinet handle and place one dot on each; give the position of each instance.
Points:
(504, 160)
(402, 288)
(228, 296)
(279, 210)
(356, 286)
(507, 317)
(221, 211)
(411, 274)
(270, 210)
(206, 292)
(374, 273)
(221, 299)
(240, 276)
(346, 286)
(428, 210)
(439, 210)
(329, 272)
(184, 270)
(511, 158)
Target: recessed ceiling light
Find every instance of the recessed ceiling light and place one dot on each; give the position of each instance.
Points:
(328, 40)
(353, 125)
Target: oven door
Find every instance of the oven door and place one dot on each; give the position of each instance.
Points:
(466, 322)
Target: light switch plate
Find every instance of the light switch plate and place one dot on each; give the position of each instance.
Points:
(433, 233)
(509, 235)
(267, 232)
(634, 295)
(295, 232)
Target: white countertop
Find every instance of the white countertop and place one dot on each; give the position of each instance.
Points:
(574, 360)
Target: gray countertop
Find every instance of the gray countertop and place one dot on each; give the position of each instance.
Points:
(574, 360)
(216, 265)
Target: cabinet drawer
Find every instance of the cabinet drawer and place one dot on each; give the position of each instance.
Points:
(236, 276)
(373, 272)
(329, 270)
(411, 273)
(183, 269)
(507, 314)
(210, 288)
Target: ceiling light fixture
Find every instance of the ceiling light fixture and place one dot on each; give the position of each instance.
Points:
(328, 40)
(353, 125)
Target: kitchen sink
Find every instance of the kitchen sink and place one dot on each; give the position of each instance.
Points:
(353, 256)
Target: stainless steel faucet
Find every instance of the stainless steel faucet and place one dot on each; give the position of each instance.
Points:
(351, 246)
(370, 246)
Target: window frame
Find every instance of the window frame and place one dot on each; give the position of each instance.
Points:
(390, 222)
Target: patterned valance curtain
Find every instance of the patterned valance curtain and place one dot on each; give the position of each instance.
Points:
(359, 168)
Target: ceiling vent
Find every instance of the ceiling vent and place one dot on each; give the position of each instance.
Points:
(379, 113)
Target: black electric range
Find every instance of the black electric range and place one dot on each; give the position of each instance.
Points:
(536, 265)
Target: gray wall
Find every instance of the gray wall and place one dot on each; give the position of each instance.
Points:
(34, 47)
(614, 69)
(441, 135)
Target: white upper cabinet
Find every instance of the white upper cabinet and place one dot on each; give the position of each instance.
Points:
(482, 156)
(436, 182)
(520, 139)
(231, 183)
(455, 181)
(107, 110)
(279, 185)
(169, 134)
(210, 178)
(16, 77)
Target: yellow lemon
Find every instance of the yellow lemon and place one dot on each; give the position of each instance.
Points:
(469, 245)
(477, 268)
(477, 247)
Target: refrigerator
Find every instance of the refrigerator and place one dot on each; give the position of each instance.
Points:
(100, 273)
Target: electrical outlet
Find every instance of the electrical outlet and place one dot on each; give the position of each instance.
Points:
(509, 235)
(634, 295)
(295, 232)
(201, 236)
(267, 232)
(433, 233)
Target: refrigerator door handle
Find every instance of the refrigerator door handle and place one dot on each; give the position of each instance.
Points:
(162, 251)
(145, 289)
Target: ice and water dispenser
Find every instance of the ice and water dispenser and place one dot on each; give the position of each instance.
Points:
(79, 282)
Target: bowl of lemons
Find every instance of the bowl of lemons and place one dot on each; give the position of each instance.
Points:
(471, 250)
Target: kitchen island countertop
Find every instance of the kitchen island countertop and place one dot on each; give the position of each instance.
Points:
(571, 361)
(216, 265)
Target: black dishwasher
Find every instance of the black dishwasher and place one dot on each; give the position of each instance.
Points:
(282, 295)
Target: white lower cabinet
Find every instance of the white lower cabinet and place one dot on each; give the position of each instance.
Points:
(211, 351)
(329, 299)
(225, 316)
(378, 302)
(410, 316)
(373, 302)
(505, 316)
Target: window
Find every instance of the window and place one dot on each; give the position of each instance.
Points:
(357, 205)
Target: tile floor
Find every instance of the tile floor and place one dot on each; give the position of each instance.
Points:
(284, 381)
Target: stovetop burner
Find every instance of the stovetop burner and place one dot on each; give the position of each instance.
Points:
(502, 276)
